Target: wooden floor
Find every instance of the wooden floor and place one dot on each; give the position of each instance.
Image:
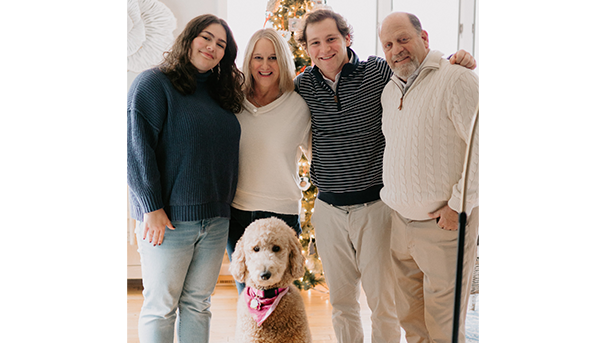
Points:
(223, 307)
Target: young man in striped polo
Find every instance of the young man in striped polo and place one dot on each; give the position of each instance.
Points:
(352, 224)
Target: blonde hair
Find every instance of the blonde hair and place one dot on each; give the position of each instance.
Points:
(284, 57)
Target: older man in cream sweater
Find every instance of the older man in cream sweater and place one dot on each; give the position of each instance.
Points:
(428, 107)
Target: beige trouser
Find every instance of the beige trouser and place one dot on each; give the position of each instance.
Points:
(353, 242)
(425, 261)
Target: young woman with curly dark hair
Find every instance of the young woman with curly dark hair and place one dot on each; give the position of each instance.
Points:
(183, 146)
(225, 80)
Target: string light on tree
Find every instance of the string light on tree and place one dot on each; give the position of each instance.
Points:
(284, 16)
(314, 274)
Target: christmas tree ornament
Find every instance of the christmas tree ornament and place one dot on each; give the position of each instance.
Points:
(285, 16)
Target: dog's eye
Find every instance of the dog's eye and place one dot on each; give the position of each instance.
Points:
(275, 248)
(256, 249)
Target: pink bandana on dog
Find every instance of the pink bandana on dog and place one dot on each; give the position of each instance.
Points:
(262, 303)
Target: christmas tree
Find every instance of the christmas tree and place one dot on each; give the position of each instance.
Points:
(314, 275)
(284, 16)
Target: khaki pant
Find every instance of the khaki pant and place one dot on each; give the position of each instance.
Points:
(425, 261)
(353, 242)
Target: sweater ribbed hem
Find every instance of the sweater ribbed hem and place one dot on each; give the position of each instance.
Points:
(190, 212)
(351, 198)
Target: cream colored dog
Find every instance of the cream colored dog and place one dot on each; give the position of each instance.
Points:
(270, 309)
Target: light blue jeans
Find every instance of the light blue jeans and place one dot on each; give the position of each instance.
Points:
(179, 277)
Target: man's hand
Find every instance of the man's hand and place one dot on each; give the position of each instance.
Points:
(449, 218)
(155, 223)
(464, 59)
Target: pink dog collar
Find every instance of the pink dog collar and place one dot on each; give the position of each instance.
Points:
(262, 303)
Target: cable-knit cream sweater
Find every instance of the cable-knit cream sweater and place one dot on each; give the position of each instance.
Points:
(426, 134)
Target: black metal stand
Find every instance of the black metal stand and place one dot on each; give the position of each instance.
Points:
(461, 241)
(459, 277)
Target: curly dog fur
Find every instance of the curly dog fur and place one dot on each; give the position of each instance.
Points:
(268, 255)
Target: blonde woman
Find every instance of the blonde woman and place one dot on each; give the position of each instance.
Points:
(276, 124)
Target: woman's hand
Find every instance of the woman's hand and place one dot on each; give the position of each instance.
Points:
(154, 224)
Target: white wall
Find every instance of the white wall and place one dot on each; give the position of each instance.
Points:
(439, 17)
(362, 16)
(476, 38)
(247, 16)
(244, 18)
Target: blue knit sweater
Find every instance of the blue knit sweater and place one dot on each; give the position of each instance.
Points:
(182, 150)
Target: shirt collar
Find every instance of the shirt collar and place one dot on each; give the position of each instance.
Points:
(414, 75)
(347, 69)
(331, 83)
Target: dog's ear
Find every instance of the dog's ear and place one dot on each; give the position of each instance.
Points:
(237, 266)
(296, 260)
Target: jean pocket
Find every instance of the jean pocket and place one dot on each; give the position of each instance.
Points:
(139, 228)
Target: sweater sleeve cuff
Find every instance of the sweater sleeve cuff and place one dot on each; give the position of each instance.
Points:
(150, 203)
(455, 204)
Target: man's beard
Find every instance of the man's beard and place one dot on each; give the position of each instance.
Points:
(406, 70)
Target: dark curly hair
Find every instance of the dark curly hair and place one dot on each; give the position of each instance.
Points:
(225, 81)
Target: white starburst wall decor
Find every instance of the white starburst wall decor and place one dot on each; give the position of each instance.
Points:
(150, 26)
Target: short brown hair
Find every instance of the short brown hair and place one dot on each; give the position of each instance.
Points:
(318, 15)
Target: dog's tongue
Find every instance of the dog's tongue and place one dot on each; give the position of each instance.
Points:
(260, 307)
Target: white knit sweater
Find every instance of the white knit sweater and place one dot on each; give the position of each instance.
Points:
(426, 139)
(270, 149)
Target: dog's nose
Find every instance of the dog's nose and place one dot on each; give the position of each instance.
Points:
(265, 275)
